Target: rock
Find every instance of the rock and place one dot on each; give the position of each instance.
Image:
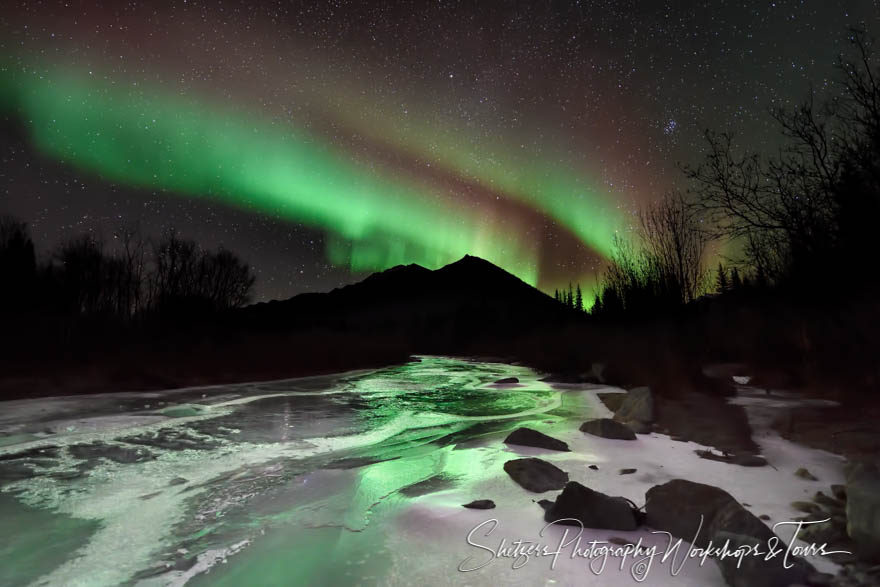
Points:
(536, 475)
(764, 517)
(749, 461)
(178, 481)
(821, 533)
(637, 406)
(607, 428)
(743, 460)
(839, 491)
(592, 509)
(593, 467)
(480, 504)
(829, 503)
(529, 437)
(627, 471)
(612, 400)
(808, 507)
(597, 371)
(545, 503)
(507, 380)
(863, 511)
(756, 571)
(678, 506)
(803, 473)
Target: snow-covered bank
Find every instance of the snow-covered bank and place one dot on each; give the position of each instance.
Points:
(656, 458)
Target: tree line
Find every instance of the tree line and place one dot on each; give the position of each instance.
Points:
(573, 298)
(129, 278)
(798, 222)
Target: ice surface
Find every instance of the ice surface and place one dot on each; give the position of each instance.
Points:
(353, 479)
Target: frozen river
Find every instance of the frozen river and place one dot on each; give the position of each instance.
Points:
(335, 480)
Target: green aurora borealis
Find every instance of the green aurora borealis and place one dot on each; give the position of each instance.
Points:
(375, 216)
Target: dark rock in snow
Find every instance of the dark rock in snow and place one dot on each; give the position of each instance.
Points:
(536, 475)
(627, 471)
(607, 428)
(529, 437)
(757, 571)
(546, 504)
(829, 503)
(702, 513)
(678, 506)
(480, 504)
(581, 504)
(743, 460)
(808, 507)
(637, 406)
(507, 380)
(432, 484)
(593, 467)
(803, 473)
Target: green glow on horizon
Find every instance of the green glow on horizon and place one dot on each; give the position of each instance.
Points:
(170, 143)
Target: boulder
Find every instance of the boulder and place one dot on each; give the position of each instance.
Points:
(592, 509)
(678, 506)
(597, 372)
(863, 510)
(756, 571)
(637, 406)
(743, 460)
(480, 504)
(507, 380)
(627, 471)
(805, 474)
(612, 400)
(808, 507)
(536, 475)
(607, 428)
(822, 533)
(529, 437)
(832, 504)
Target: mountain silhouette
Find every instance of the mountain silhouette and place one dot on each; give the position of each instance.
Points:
(468, 299)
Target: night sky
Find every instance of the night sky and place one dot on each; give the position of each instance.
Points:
(323, 141)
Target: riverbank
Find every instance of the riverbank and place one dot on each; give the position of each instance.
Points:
(142, 367)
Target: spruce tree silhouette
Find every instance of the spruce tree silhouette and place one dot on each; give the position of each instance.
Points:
(721, 280)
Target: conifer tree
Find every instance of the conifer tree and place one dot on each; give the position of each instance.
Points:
(721, 280)
(735, 281)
